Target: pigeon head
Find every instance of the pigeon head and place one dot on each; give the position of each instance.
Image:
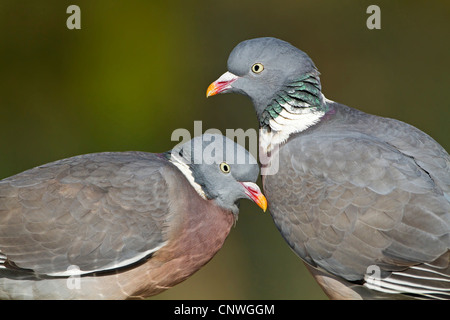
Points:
(267, 69)
(219, 170)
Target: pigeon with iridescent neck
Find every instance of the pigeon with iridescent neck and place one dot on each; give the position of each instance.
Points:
(121, 225)
(363, 200)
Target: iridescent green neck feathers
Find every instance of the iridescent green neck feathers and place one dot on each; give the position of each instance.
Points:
(303, 95)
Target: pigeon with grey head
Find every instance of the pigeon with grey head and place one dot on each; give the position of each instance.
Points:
(119, 225)
(363, 200)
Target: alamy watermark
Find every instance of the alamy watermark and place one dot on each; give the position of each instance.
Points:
(374, 20)
(248, 139)
(373, 276)
(73, 281)
(73, 22)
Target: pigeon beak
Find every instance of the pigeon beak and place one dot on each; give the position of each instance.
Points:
(222, 84)
(254, 193)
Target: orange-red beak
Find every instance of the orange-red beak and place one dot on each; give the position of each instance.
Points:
(222, 84)
(254, 193)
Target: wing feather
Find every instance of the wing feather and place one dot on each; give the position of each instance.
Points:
(347, 201)
(97, 212)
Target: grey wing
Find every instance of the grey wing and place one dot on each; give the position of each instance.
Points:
(345, 203)
(412, 142)
(83, 214)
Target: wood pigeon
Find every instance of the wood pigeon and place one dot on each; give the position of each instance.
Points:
(363, 200)
(118, 225)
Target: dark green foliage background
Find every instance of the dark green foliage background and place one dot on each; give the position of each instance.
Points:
(137, 70)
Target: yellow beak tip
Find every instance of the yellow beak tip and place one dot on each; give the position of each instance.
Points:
(263, 203)
(211, 90)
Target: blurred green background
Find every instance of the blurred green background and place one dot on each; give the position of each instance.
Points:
(137, 70)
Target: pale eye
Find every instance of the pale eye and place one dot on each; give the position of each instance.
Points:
(225, 167)
(257, 68)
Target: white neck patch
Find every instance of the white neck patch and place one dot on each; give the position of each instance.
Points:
(181, 164)
(289, 121)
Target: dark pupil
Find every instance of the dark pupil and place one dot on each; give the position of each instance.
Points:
(256, 68)
(225, 168)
